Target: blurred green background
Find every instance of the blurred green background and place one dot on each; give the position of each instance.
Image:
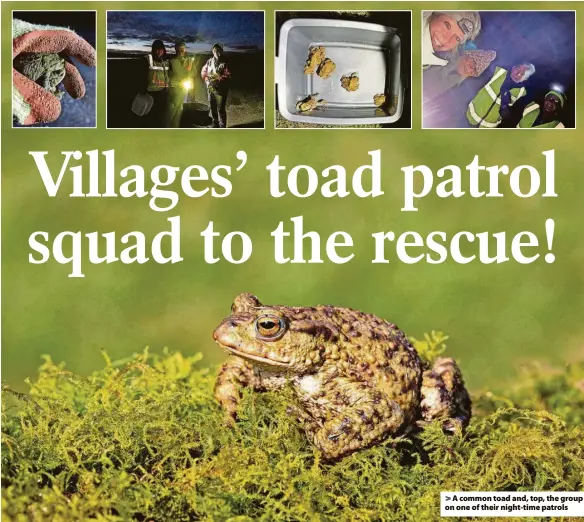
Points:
(498, 316)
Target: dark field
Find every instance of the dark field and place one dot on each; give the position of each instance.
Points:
(245, 104)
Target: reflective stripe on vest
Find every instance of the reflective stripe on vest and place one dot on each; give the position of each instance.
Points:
(484, 108)
(530, 114)
(157, 75)
(495, 95)
(475, 119)
(530, 108)
(522, 92)
(154, 67)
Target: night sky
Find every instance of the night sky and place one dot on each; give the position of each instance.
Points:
(136, 30)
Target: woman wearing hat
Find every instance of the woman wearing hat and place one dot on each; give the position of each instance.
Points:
(444, 32)
(534, 118)
(157, 84)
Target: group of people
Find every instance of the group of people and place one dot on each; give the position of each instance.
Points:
(170, 78)
(450, 56)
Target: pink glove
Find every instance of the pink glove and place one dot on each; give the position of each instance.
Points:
(35, 104)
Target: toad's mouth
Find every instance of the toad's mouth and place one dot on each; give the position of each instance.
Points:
(257, 358)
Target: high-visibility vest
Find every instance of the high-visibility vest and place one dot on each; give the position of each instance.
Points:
(531, 113)
(484, 109)
(180, 69)
(157, 74)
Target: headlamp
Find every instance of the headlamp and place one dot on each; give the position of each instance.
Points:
(466, 26)
(557, 87)
(187, 84)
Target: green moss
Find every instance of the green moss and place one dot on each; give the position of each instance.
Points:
(143, 439)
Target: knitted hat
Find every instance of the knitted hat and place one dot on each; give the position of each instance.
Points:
(218, 46)
(559, 95)
(480, 59)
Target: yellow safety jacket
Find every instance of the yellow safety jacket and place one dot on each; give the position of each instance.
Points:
(181, 68)
(484, 109)
(530, 114)
(157, 74)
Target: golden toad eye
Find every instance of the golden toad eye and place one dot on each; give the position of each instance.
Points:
(270, 327)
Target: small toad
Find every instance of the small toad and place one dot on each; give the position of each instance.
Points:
(356, 377)
(350, 82)
(46, 69)
(315, 56)
(309, 103)
(383, 103)
(326, 68)
(379, 100)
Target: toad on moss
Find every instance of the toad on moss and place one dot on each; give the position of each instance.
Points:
(356, 377)
(350, 82)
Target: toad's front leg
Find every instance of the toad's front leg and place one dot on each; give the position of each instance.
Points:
(234, 375)
(363, 423)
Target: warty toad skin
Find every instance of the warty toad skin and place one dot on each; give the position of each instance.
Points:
(356, 377)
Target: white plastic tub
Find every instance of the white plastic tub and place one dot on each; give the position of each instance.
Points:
(371, 50)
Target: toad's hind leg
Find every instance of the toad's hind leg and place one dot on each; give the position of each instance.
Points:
(234, 375)
(444, 396)
(367, 422)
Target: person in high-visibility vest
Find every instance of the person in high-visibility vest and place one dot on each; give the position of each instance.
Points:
(534, 118)
(492, 102)
(181, 81)
(157, 84)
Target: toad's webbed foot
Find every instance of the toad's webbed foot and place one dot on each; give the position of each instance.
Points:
(234, 375)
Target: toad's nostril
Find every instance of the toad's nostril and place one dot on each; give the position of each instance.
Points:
(232, 323)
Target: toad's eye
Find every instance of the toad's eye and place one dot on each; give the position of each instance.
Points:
(270, 327)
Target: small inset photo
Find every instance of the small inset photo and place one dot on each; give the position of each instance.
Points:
(498, 69)
(185, 69)
(343, 69)
(53, 69)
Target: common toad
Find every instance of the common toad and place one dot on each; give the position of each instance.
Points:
(315, 56)
(379, 100)
(350, 82)
(326, 68)
(356, 377)
(383, 103)
(46, 69)
(309, 103)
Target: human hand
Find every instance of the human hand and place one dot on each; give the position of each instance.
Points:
(30, 102)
